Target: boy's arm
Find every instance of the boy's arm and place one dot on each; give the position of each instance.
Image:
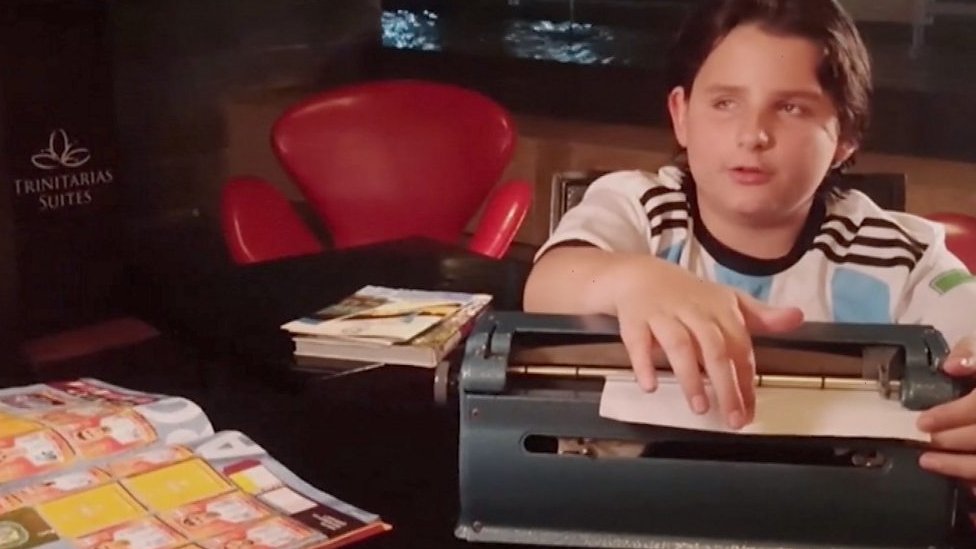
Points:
(599, 260)
(694, 322)
(941, 293)
(578, 279)
(592, 238)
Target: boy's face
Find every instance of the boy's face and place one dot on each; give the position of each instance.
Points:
(91, 434)
(760, 131)
(11, 453)
(199, 518)
(114, 544)
(238, 544)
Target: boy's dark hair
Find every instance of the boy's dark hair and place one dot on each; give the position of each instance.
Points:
(844, 72)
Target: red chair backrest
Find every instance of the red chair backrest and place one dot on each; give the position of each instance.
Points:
(960, 235)
(393, 159)
(259, 224)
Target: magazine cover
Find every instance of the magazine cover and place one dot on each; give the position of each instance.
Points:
(425, 350)
(85, 464)
(385, 316)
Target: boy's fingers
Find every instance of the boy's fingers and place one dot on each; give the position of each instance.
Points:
(951, 415)
(959, 366)
(682, 354)
(637, 340)
(744, 361)
(745, 369)
(961, 439)
(759, 317)
(954, 465)
(962, 360)
(721, 374)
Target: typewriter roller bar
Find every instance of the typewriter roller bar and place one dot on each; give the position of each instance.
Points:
(776, 367)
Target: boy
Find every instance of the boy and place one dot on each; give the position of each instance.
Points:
(748, 232)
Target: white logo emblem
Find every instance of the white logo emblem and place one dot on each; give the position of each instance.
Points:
(61, 153)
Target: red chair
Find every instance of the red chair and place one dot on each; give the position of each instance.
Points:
(259, 224)
(387, 160)
(960, 235)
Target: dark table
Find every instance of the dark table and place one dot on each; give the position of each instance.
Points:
(228, 310)
(376, 439)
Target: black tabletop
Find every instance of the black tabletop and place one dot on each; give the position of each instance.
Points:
(225, 309)
(376, 439)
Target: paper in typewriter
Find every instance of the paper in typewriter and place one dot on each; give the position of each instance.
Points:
(779, 411)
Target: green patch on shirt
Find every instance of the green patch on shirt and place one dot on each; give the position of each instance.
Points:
(950, 279)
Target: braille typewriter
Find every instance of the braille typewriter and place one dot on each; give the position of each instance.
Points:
(529, 383)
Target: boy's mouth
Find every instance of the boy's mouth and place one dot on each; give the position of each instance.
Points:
(750, 175)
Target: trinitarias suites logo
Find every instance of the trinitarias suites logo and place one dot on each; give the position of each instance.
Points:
(66, 182)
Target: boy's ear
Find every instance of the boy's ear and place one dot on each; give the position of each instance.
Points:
(845, 148)
(678, 107)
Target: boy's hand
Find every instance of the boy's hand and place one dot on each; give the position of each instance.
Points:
(695, 322)
(953, 424)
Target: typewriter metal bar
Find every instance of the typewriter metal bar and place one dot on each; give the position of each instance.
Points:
(776, 367)
(768, 380)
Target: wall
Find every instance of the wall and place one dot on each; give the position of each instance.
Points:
(548, 145)
(133, 90)
(59, 162)
(199, 84)
(178, 62)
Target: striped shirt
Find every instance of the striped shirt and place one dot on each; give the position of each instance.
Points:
(853, 261)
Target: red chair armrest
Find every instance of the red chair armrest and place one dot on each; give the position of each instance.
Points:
(87, 340)
(501, 219)
(259, 224)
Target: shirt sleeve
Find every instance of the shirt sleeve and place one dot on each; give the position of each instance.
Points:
(610, 216)
(941, 293)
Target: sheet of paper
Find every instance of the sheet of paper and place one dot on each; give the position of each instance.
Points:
(779, 411)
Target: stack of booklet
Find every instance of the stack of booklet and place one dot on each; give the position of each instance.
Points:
(387, 326)
(88, 465)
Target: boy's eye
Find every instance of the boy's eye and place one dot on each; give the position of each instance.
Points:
(722, 104)
(793, 109)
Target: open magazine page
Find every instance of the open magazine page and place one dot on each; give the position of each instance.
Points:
(317, 518)
(46, 428)
(177, 490)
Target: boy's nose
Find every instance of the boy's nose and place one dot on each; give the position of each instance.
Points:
(754, 131)
(755, 137)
